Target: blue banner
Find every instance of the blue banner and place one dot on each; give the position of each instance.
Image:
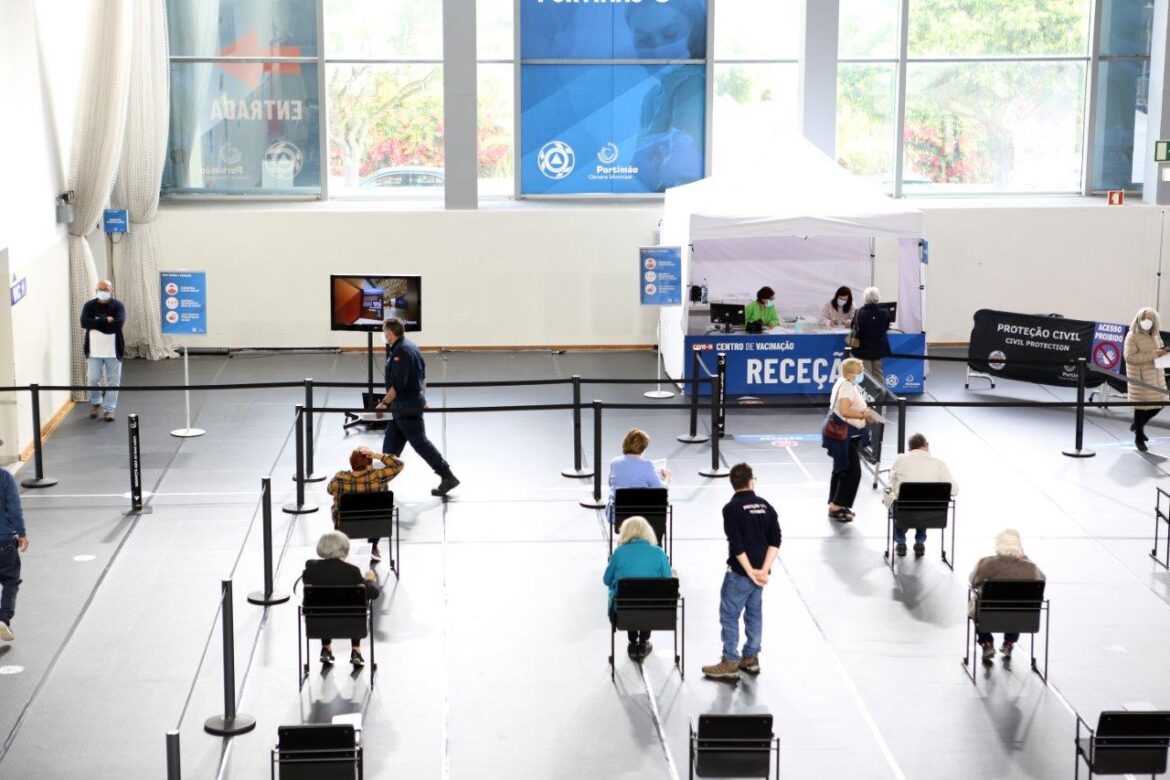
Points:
(611, 128)
(635, 29)
(660, 275)
(183, 302)
(762, 365)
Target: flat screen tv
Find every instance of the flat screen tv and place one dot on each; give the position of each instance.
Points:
(363, 303)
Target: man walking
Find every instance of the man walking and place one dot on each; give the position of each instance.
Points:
(103, 318)
(13, 541)
(917, 465)
(406, 375)
(753, 542)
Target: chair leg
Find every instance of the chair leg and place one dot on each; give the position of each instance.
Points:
(969, 659)
(612, 631)
(373, 661)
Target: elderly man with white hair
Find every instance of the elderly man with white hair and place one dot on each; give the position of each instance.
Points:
(332, 569)
(1143, 345)
(1008, 563)
(872, 324)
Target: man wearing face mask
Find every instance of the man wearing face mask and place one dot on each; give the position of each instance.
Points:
(763, 309)
(102, 319)
(1143, 345)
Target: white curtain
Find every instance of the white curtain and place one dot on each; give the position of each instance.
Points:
(97, 144)
(136, 255)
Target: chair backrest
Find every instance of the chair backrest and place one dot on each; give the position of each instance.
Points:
(317, 752)
(1009, 606)
(922, 505)
(368, 515)
(733, 746)
(1131, 742)
(335, 611)
(646, 604)
(650, 503)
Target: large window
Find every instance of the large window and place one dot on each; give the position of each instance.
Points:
(496, 97)
(1123, 86)
(867, 74)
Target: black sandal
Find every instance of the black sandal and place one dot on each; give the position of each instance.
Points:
(842, 514)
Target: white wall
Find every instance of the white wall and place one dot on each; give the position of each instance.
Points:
(40, 57)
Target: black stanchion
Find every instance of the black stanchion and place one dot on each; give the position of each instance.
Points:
(310, 474)
(694, 437)
(38, 480)
(595, 501)
(268, 596)
(721, 374)
(717, 469)
(136, 505)
(1079, 450)
(174, 771)
(578, 471)
(231, 722)
(300, 507)
(901, 425)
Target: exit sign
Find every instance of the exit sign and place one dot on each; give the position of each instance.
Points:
(1162, 151)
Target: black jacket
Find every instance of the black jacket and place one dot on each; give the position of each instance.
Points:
(93, 317)
(872, 325)
(334, 571)
(406, 372)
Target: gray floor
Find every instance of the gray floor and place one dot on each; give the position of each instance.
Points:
(492, 647)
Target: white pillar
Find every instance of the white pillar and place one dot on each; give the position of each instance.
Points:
(459, 105)
(818, 73)
(1154, 190)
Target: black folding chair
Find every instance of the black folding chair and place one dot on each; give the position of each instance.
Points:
(334, 612)
(650, 604)
(650, 503)
(317, 752)
(1161, 515)
(1008, 607)
(371, 515)
(925, 505)
(733, 746)
(1124, 743)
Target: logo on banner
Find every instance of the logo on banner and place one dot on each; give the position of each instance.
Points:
(283, 160)
(703, 347)
(891, 380)
(996, 360)
(556, 160)
(608, 154)
(229, 154)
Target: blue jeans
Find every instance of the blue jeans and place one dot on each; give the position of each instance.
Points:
(740, 595)
(900, 535)
(400, 430)
(112, 367)
(9, 579)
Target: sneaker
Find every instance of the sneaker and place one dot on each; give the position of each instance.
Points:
(644, 649)
(988, 651)
(750, 664)
(355, 658)
(326, 657)
(900, 549)
(919, 550)
(446, 485)
(1007, 649)
(109, 416)
(375, 554)
(632, 651)
(93, 411)
(6, 632)
(726, 669)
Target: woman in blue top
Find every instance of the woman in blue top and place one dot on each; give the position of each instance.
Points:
(631, 470)
(636, 555)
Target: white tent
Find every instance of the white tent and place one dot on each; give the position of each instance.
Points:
(800, 192)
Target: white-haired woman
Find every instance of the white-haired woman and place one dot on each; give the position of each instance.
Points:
(847, 404)
(1008, 563)
(331, 569)
(637, 555)
(872, 325)
(1143, 345)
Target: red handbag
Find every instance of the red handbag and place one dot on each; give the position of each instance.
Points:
(835, 428)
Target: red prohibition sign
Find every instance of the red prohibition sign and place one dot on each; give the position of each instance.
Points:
(1107, 355)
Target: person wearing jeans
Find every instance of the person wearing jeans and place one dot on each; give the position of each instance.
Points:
(753, 542)
(13, 541)
(915, 465)
(102, 319)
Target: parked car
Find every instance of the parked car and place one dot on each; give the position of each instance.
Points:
(404, 176)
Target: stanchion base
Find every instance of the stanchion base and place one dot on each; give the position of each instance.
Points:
(314, 477)
(719, 472)
(299, 509)
(260, 598)
(43, 482)
(698, 438)
(146, 510)
(223, 726)
(1079, 453)
(658, 394)
(577, 473)
(593, 503)
(188, 433)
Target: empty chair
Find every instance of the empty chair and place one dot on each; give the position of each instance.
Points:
(649, 604)
(733, 746)
(922, 506)
(1008, 607)
(317, 752)
(650, 503)
(1124, 743)
(371, 515)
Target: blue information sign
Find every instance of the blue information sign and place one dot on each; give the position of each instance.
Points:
(660, 275)
(183, 300)
(804, 363)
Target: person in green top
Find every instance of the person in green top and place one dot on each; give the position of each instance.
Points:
(763, 308)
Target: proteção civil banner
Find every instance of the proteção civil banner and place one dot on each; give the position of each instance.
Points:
(1000, 340)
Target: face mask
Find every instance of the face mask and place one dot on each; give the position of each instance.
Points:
(842, 301)
(1146, 324)
(857, 378)
(771, 304)
(103, 296)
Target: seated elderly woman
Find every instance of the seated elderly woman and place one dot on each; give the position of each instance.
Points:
(332, 569)
(637, 555)
(631, 470)
(1008, 563)
(362, 477)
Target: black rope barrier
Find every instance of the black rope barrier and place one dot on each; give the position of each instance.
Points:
(578, 471)
(1005, 361)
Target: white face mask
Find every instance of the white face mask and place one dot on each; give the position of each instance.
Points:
(103, 295)
(770, 304)
(1146, 324)
(842, 301)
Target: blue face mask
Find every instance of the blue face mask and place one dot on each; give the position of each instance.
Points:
(857, 378)
(103, 296)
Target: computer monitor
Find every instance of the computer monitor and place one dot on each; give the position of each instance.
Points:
(727, 315)
(363, 303)
(891, 309)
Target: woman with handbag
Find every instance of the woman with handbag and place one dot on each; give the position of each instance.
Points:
(1143, 345)
(843, 433)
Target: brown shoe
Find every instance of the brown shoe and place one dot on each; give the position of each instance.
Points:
(93, 411)
(109, 416)
(724, 670)
(750, 664)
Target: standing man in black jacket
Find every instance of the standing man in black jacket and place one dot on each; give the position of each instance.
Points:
(406, 375)
(872, 324)
(103, 318)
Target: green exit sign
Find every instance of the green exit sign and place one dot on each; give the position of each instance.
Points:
(1162, 151)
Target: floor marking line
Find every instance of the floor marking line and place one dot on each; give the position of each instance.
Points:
(670, 765)
(798, 462)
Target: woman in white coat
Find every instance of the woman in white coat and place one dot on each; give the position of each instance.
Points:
(1143, 345)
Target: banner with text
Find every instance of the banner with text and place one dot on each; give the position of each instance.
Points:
(184, 302)
(660, 275)
(998, 338)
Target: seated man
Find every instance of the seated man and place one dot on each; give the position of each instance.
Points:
(1008, 563)
(362, 477)
(332, 569)
(917, 465)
